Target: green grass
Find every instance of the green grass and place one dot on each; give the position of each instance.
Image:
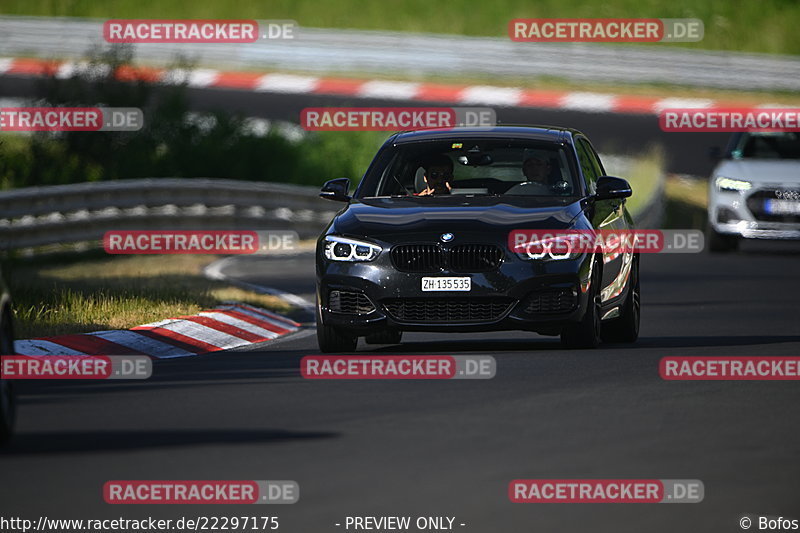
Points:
(748, 25)
(644, 178)
(686, 203)
(694, 192)
(84, 293)
(642, 173)
(26, 160)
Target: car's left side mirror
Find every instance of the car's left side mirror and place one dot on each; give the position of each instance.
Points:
(609, 187)
(336, 190)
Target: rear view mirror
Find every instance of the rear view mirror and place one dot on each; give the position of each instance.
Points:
(336, 190)
(475, 160)
(609, 187)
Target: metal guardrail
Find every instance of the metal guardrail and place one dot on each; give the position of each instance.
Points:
(324, 50)
(38, 216)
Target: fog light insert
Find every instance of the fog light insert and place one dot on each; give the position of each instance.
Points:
(349, 302)
(551, 301)
(726, 216)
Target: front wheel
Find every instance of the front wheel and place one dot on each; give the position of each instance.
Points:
(586, 333)
(626, 327)
(331, 339)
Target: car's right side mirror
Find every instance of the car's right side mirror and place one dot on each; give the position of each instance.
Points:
(336, 190)
(609, 187)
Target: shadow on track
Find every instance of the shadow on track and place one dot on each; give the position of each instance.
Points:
(93, 441)
(709, 341)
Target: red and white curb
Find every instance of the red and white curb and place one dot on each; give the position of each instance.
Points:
(225, 327)
(388, 90)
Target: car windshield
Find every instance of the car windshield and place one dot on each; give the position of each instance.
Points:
(763, 145)
(472, 168)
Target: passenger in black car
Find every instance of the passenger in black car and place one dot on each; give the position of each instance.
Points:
(438, 175)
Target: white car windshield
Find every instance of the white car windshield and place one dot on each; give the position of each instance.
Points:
(768, 145)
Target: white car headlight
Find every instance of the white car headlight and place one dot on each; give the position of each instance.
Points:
(554, 248)
(730, 184)
(343, 249)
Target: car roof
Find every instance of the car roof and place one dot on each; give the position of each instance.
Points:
(537, 133)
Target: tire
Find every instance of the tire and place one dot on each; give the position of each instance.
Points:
(626, 327)
(333, 340)
(387, 336)
(7, 402)
(720, 243)
(586, 333)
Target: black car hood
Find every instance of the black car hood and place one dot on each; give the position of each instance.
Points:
(386, 216)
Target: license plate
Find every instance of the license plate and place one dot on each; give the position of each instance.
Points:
(446, 284)
(782, 207)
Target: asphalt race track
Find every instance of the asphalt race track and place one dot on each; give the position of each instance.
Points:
(687, 153)
(449, 448)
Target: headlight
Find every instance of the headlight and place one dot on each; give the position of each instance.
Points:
(555, 248)
(343, 249)
(730, 184)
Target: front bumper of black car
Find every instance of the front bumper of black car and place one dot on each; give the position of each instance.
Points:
(540, 296)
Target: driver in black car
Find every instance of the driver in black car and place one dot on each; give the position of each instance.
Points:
(537, 169)
(438, 175)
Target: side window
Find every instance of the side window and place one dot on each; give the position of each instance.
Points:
(386, 184)
(589, 165)
(594, 157)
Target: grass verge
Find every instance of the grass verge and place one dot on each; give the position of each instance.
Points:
(642, 171)
(81, 293)
(686, 201)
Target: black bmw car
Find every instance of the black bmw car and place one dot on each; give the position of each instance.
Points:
(423, 242)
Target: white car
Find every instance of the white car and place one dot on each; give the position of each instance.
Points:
(754, 191)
